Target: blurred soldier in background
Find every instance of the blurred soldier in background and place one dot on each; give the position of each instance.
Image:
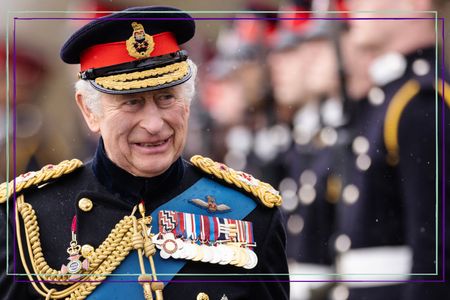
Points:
(239, 98)
(34, 144)
(386, 216)
(305, 69)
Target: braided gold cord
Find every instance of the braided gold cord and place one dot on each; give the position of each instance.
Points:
(103, 262)
(145, 78)
(263, 191)
(34, 178)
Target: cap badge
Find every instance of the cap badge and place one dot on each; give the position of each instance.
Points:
(140, 44)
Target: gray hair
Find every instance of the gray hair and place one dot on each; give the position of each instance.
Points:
(91, 96)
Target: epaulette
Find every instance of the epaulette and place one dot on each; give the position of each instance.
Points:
(42, 176)
(261, 190)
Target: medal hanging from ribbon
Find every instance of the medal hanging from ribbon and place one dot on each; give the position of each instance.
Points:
(205, 238)
(75, 265)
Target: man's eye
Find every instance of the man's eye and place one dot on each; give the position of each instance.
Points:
(133, 102)
(165, 99)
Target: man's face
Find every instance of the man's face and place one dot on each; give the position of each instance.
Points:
(375, 33)
(287, 69)
(143, 133)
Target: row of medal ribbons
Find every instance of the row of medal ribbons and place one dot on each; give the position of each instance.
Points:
(205, 238)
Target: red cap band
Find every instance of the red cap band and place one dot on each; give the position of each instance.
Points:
(104, 55)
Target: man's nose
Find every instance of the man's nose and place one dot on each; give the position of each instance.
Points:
(151, 118)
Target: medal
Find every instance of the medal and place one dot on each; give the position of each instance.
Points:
(253, 259)
(243, 259)
(206, 239)
(75, 265)
(227, 255)
(216, 255)
(207, 253)
(199, 254)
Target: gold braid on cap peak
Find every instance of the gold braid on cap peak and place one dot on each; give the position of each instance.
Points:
(261, 190)
(45, 174)
(143, 79)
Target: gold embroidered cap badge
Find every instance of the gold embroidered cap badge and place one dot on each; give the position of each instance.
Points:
(140, 44)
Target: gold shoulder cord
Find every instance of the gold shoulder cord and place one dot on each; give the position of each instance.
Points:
(398, 104)
(263, 191)
(126, 235)
(34, 178)
(395, 109)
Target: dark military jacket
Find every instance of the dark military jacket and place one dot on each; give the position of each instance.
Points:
(113, 194)
(392, 189)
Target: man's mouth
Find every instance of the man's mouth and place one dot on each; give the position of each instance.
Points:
(154, 144)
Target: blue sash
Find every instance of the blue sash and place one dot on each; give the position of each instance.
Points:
(126, 274)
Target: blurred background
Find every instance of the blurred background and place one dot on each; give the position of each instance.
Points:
(284, 94)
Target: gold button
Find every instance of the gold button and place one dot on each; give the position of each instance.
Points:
(85, 204)
(202, 296)
(87, 250)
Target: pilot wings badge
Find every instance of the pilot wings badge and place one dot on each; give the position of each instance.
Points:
(210, 205)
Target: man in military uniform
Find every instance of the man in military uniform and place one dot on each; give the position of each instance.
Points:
(138, 221)
(389, 211)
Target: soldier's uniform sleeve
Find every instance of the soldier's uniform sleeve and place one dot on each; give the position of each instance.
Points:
(420, 169)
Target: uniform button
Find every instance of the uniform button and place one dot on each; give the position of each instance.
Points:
(290, 200)
(340, 292)
(295, 224)
(363, 162)
(85, 204)
(307, 194)
(287, 184)
(308, 177)
(420, 67)
(87, 250)
(376, 96)
(350, 194)
(202, 296)
(360, 145)
(342, 243)
(328, 136)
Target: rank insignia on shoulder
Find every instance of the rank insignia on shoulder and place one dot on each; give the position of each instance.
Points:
(261, 190)
(40, 177)
(206, 239)
(210, 205)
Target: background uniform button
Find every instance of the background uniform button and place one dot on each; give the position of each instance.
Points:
(360, 145)
(350, 194)
(363, 162)
(421, 67)
(376, 96)
(202, 296)
(340, 292)
(342, 243)
(85, 204)
(295, 224)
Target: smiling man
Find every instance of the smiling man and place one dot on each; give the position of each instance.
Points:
(138, 221)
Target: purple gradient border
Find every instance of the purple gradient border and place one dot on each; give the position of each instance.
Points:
(442, 66)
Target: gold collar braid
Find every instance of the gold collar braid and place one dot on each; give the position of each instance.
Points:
(129, 233)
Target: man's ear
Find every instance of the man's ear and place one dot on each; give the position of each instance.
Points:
(90, 118)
